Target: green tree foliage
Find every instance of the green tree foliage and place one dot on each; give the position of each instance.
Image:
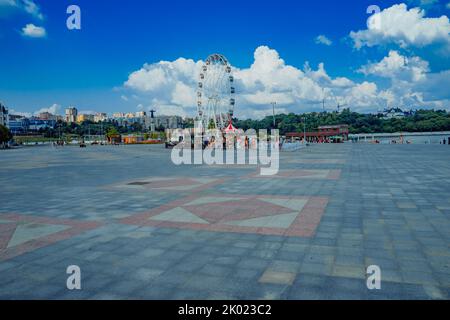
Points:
(211, 125)
(5, 135)
(111, 132)
(421, 121)
(88, 127)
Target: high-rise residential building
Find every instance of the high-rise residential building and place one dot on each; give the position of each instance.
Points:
(100, 117)
(36, 124)
(18, 124)
(169, 122)
(118, 115)
(85, 117)
(141, 114)
(71, 114)
(3, 115)
(46, 116)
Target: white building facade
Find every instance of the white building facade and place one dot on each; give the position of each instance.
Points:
(4, 119)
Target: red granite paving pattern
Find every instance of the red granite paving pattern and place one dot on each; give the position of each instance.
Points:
(303, 226)
(309, 218)
(7, 231)
(220, 212)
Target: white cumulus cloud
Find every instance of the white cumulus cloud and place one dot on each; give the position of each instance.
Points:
(406, 28)
(32, 31)
(32, 8)
(322, 39)
(53, 109)
(397, 66)
(8, 3)
(424, 3)
(411, 82)
(170, 87)
(28, 6)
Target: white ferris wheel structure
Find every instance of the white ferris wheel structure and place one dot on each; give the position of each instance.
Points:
(215, 93)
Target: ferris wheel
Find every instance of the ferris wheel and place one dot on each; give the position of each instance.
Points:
(215, 93)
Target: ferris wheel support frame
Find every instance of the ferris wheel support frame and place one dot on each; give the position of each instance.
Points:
(215, 92)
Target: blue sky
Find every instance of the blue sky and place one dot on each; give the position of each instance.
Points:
(90, 68)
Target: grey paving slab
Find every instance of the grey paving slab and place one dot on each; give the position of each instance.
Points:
(390, 207)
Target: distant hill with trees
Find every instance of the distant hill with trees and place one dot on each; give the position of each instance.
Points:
(419, 121)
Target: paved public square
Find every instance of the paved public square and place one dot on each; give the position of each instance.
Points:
(140, 227)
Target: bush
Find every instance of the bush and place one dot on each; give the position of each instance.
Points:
(5, 135)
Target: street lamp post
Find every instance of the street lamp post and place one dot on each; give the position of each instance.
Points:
(304, 129)
(273, 113)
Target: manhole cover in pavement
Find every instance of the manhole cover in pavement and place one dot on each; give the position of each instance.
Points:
(138, 183)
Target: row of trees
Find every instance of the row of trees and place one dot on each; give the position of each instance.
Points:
(420, 121)
(109, 129)
(90, 128)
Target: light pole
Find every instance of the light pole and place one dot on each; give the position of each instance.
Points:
(323, 99)
(304, 129)
(273, 113)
